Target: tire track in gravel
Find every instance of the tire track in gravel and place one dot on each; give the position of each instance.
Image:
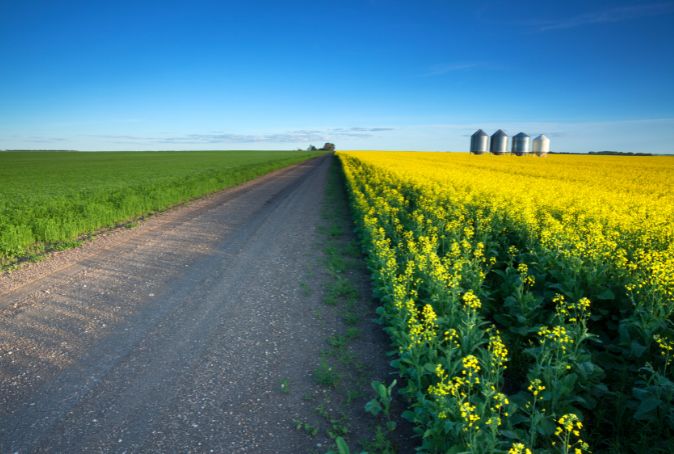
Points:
(171, 336)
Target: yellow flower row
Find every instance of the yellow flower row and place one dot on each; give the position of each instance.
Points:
(436, 224)
(614, 209)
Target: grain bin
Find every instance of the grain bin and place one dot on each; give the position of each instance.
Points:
(499, 142)
(541, 145)
(479, 142)
(521, 144)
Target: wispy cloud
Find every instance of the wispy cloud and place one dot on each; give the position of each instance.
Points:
(37, 139)
(295, 136)
(446, 68)
(359, 130)
(610, 15)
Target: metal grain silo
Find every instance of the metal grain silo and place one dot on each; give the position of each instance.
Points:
(479, 142)
(521, 144)
(499, 142)
(541, 145)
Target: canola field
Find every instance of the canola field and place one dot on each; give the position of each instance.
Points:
(48, 200)
(530, 300)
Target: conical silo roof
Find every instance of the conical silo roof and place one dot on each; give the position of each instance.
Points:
(499, 142)
(479, 142)
(521, 144)
(541, 144)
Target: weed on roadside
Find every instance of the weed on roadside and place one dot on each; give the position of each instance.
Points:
(306, 427)
(306, 290)
(325, 375)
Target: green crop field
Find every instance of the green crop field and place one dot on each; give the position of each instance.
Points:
(48, 200)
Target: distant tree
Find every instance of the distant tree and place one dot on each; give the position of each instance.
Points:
(328, 147)
(311, 148)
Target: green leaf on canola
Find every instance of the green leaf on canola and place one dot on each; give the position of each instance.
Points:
(373, 407)
(342, 447)
(408, 416)
(500, 273)
(429, 367)
(503, 319)
(585, 403)
(521, 319)
(556, 286)
(510, 434)
(647, 406)
(521, 330)
(637, 349)
(600, 389)
(606, 294)
(545, 427)
(448, 426)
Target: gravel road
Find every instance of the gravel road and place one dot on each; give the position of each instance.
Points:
(172, 336)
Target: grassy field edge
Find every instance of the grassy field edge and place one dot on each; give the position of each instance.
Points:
(34, 224)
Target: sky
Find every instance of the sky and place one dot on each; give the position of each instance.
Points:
(371, 74)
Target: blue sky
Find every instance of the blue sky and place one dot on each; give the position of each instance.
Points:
(378, 74)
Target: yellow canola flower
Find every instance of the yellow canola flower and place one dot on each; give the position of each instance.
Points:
(471, 301)
(536, 386)
(570, 311)
(666, 347)
(451, 336)
(445, 386)
(556, 334)
(469, 415)
(519, 448)
(498, 350)
(470, 365)
(429, 316)
(568, 432)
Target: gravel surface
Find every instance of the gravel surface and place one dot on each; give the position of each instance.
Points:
(173, 336)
